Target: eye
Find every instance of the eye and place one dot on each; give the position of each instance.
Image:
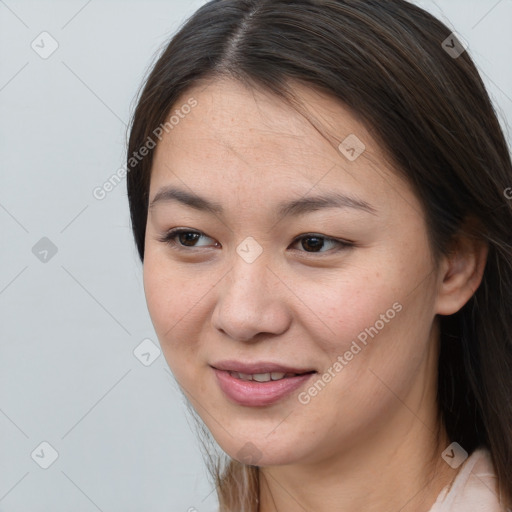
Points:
(183, 239)
(316, 242)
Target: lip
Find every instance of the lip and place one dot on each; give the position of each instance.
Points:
(258, 394)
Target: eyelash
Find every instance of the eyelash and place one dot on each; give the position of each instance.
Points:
(170, 239)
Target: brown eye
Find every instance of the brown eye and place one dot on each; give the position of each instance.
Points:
(183, 238)
(180, 238)
(313, 243)
(187, 238)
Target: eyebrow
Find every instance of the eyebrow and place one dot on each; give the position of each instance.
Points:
(296, 207)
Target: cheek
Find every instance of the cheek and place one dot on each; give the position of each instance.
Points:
(376, 317)
(169, 300)
(382, 348)
(176, 301)
(363, 301)
(159, 297)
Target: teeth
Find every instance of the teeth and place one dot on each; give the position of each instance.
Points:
(262, 377)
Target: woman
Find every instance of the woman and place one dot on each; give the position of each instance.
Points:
(318, 192)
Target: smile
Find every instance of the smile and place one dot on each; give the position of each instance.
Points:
(259, 388)
(262, 377)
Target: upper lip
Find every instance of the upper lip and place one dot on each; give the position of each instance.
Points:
(258, 367)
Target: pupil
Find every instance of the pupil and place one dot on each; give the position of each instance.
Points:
(317, 245)
(188, 237)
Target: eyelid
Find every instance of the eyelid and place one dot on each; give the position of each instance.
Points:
(168, 237)
(174, 232)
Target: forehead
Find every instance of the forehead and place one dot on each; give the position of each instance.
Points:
(229, 115)
(250, 143)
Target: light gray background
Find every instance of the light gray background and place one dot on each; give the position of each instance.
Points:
(70, 325)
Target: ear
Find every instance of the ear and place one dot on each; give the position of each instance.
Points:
(461, 271)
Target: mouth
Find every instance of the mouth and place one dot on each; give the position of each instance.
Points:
(259, 384)
(260, 368)
(265, 377)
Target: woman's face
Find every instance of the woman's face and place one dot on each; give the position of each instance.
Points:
(243, 289)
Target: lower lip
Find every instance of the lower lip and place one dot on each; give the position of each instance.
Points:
(256, 394)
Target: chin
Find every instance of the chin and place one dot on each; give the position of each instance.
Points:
(256, 449)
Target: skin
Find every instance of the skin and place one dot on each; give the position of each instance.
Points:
(367, 441)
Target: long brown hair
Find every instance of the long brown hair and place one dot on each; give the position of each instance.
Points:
(428, 108)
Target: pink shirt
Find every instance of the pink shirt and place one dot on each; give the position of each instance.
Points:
(474, 489)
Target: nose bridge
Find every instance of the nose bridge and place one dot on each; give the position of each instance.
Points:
(249, 277)
(249, 300)
(250, 270)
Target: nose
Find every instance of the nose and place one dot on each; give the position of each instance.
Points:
(252, 300)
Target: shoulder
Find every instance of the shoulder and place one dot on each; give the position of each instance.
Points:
(474, 489)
